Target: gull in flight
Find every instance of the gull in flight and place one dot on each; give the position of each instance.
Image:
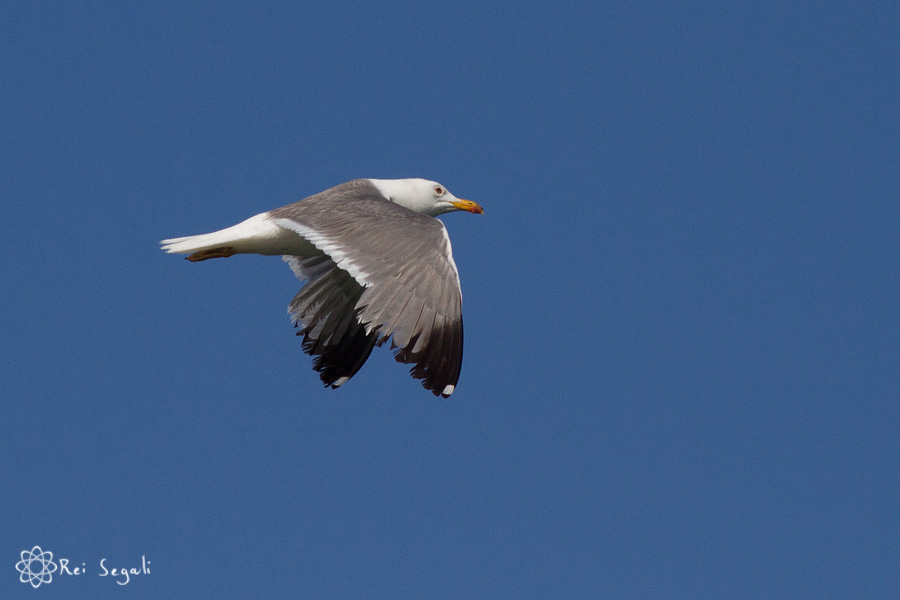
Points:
(375, 264)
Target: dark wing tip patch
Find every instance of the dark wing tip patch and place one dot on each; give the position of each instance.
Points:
(439, 363)
(331, 332)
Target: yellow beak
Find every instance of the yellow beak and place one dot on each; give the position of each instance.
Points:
(469, 206)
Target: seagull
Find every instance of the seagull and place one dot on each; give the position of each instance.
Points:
(375, 265)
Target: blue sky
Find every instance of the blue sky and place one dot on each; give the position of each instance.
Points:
(681, 304)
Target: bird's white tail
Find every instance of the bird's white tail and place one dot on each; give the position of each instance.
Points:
(256, 235)
(243, 237)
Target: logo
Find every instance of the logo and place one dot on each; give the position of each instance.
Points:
(36, 567)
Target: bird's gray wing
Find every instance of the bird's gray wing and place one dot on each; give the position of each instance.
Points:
(401, 262)
(324, 310)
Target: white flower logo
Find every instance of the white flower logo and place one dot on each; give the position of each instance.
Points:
(29, 563)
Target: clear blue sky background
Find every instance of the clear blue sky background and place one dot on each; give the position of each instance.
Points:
(682, 364)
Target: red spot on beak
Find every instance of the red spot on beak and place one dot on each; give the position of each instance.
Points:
(469, 206)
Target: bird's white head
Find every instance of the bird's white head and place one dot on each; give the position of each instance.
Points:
(423, 196)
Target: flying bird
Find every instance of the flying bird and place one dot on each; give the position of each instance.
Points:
(374, 264)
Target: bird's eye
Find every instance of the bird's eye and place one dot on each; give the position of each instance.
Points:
(439, 190)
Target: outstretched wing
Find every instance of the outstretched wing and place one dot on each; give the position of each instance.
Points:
(324, 309)
(407, 286)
